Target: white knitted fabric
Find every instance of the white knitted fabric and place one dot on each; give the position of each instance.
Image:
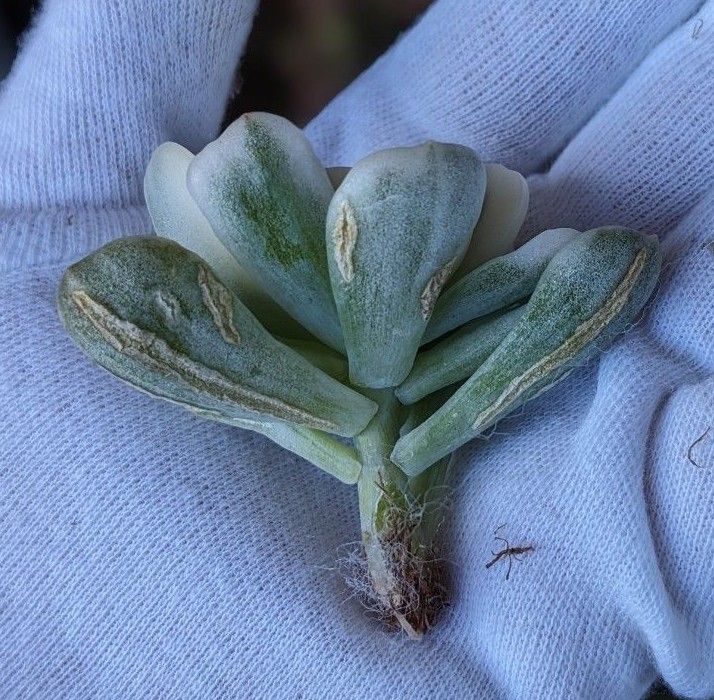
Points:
(145, 553)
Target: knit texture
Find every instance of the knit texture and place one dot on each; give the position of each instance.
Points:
(146, 553)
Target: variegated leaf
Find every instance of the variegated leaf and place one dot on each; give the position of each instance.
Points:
(497, 283)
(176, 216)
(397, 228)
(591, 290)
(265, 194)
(155, 315)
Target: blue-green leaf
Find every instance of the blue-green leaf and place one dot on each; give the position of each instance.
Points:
(397, 228)
(497, 283)
(265, 194)
(591, 290)
(155, 315)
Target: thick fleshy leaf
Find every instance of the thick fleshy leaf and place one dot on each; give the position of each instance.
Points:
(265, 194)
(504, 210)
(589, 293)
(321, 356)
(456, 357)
(176, 216)
(317, 447)
(155, 315)
(418, 412)
(497, 283)
(397, 228)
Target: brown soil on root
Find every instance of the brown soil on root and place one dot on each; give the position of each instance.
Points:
(418, 592)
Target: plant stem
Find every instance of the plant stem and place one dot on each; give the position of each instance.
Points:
(398, 526)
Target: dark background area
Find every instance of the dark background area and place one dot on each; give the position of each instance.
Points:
(300, 54)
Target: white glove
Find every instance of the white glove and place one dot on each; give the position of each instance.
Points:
(148, 553)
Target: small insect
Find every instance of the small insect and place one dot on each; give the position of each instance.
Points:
(508, 551)
(693, 445)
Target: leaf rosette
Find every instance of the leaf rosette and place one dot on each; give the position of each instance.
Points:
(371, 320)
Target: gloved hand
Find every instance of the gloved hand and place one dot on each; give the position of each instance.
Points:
(148, 553)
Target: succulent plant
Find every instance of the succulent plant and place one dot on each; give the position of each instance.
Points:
(371, 320)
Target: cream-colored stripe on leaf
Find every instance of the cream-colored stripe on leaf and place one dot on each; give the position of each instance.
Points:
(217, 300)
(583, 334)
(158, 356)
(344, 236)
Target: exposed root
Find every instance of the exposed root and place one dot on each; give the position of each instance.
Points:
(410, 590)
(419, 593)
